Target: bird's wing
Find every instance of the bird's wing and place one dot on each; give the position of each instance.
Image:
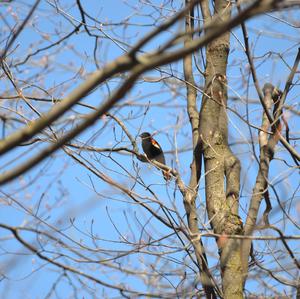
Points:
(155, 143)
(160, 158)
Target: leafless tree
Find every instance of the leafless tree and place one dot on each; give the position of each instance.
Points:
(85, 213)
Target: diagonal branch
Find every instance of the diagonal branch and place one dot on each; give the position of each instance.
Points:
(267, 145)
(124, 63)
(283, 141)
(19, 30)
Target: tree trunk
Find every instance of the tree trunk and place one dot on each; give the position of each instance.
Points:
(222, 168)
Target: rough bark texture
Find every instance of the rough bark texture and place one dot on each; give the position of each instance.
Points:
(191, 192)
(222, 168)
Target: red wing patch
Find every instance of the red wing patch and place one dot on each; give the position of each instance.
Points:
(154, 143)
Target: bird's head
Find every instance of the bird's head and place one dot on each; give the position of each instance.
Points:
(145, 135)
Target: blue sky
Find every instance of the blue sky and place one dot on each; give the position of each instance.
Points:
(65, 190)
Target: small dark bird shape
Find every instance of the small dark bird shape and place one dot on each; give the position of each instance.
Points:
(153, 151)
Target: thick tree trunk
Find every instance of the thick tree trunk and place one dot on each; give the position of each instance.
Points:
(190, 193)
(222, 168)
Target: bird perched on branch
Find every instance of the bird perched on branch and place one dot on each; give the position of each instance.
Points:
(154, 151)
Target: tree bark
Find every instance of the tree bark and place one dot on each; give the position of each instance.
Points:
(190, 193)
(222, 167)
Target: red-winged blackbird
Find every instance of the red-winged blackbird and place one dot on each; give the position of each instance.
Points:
(153, 151)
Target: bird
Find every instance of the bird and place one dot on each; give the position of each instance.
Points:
(153, 151)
